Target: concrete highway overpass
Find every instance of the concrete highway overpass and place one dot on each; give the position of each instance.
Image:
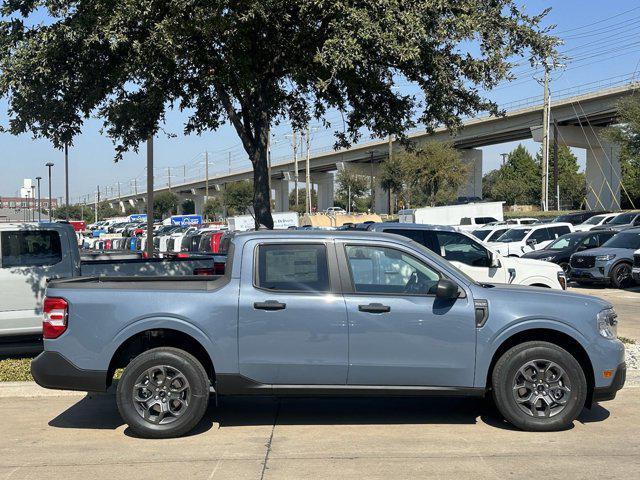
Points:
(580, 121)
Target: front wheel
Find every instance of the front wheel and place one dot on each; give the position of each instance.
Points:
(621, 275)
(539, 386)
(163, 393)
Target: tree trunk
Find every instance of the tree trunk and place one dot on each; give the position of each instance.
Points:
(261, 192)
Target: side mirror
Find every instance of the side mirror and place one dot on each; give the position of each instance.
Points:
(447, 289)
(494, 260)
(532, 242)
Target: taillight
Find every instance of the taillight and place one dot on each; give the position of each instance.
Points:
(54, 317)
(182, 255)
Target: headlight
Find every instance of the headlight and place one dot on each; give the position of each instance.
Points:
(608, 323)
(606, 258)
(548, 259)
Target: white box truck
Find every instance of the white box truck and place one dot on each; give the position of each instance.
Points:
(468, 216)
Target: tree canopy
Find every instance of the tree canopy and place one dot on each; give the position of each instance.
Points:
(237, 197)
(165, 203)
(255, 63)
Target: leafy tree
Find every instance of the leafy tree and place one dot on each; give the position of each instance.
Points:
(76, 212)
(255, 63)
(165, 203)
(517, 181)
(573, 187)
(352, 185)
(302, 194)
(105, 210)
(188, 207)
(237, 197)
(392, 177)
(434, 173)
(627, 135)
(214, 209)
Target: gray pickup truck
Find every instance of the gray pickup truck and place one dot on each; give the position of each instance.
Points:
(328, 313)
(30, 254)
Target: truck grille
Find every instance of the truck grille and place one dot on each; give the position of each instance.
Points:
(583, 261)
(636, 260)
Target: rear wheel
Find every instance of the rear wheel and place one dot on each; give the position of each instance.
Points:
(621, 275)
(539, 386)
(163, 393)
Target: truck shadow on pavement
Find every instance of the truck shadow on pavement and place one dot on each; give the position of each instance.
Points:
(100, 412)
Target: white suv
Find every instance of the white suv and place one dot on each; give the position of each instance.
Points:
(523, 239)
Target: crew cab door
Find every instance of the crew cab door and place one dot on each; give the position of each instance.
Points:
(292, 327)
(27, 259)
(399, 332)
(470, 256)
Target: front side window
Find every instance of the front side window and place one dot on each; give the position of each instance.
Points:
(513, 235)
(456, 247)
(31, 249)
(297, 268)
(385, 270)
(540, 235)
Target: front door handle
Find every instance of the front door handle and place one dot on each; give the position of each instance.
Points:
(269, 305)
(374, 308)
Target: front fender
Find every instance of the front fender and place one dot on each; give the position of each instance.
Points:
(494, 339)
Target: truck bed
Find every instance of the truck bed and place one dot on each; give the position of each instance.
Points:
(185, 282)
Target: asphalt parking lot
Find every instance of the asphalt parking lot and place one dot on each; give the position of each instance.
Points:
(77, 436)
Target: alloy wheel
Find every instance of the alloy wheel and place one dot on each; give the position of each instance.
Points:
(541, 388)
(161, 394)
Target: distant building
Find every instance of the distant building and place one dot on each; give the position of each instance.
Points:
(20, 209)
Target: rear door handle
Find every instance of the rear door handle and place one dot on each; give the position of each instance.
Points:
(374, 308)
(269, 305)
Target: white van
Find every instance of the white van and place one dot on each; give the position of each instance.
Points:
(519, 240)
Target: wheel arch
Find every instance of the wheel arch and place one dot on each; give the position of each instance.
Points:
(149, 338)
(556, 337)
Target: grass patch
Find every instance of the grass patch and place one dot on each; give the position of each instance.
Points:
(627, 340)
(15, 370)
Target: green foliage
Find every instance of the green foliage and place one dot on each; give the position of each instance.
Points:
(254, 63)
(516, 182)
(237, 197)
(627, 135)
(76, 212)
(429, 175)
(164, 204)
(214, 209)
(573, 187)
(302, 195)
(188, 207)
(349, 182)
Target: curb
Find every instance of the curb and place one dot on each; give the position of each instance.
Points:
(33, 390)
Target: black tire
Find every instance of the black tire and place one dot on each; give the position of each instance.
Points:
(507, 371)
(621, 275)
(566, 268)
(170, 360)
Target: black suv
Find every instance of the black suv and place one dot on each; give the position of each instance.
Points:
(560, 250)
(577, 218)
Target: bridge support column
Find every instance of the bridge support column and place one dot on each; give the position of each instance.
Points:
(281, 194)
(325, 189)
(472, 188)
(603, 164)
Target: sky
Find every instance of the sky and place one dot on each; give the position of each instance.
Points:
(601, 43)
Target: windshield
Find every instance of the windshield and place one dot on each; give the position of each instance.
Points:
(623, 219)
(566, 241)
(513, 235)
(481, 234)
(595, 220)
(630, 240)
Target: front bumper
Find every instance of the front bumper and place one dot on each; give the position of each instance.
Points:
(597, 274)
(602, 394)
(53, 370)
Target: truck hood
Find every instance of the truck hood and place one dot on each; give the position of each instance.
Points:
(544, 253)
(528, 262)
(543, 295)
(506, 248)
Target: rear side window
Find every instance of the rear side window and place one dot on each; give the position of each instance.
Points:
(459, 248)
(558, 231)
(540, 235)
(30, 249)
(297, 268)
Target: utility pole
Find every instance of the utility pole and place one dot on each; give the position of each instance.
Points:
(66, 177)
(545, 143)
(555, 163)
(49, 165)
(206, 177)
(169, 177)
(308, 173)
(390, 207)
(295, 165)
(371, 185)
(135, 186)
(149, 246)
(184, 173)
(269, 162)
(97, 198)
(119, 196)
(39, 201)
(33, 203)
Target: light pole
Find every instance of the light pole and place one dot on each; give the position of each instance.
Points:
(49, 165)
(39, 202)
(33, 204)
(66, 177)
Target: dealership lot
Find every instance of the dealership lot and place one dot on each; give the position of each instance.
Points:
(78, 437)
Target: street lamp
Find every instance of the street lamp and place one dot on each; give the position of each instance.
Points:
(49, 165)
(33, 205)
(39, 203)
